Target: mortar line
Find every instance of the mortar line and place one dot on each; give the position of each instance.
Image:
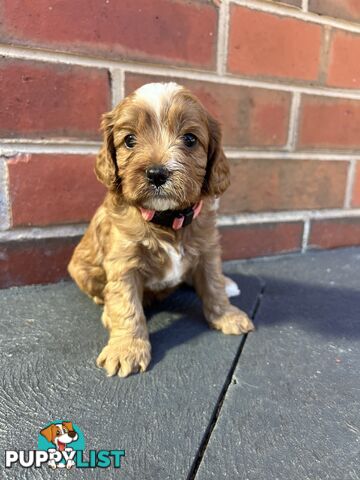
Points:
(325, 54)
(293, 122)
(117, 81)
(47, 147)
(305, 5)
(38, 233)
(223, 33)
(306, 235)
(7, 194)
(123, 85)
(11, 146)
(218, 406)
(6, 221)
(283, 217)
(238, 154)
(350, 184)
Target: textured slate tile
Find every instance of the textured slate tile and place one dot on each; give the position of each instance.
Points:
(50, 337)
(292, 408)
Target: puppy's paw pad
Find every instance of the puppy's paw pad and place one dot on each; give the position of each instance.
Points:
(125, 356)
(233, 322)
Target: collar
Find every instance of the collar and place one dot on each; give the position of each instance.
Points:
(175, 219)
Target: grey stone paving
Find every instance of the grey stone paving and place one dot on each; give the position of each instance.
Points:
(282, 404)
(50, 337)
(292, 410)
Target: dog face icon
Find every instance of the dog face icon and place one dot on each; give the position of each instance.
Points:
(60, 434)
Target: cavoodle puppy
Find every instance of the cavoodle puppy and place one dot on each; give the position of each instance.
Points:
(164, 167)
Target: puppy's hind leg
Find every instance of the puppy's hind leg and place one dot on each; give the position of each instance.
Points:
(87, 272)
(90, 279)
(231, 287)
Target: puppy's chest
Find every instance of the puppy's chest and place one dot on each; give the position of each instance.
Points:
(169, 267)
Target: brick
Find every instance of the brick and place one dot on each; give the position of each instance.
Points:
(166, 31)
(35, 261)
(344, 68)
(272, 185)
(246, 241)
(333, 233)
(51, 100)
(356, 188)
(347, 9)
(53, 189)
(329, 123)
(250, 116)
(264, 44)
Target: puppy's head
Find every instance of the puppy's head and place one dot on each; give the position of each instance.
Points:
(162, 150)
(60, 434)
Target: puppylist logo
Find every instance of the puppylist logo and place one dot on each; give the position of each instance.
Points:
(61, 444)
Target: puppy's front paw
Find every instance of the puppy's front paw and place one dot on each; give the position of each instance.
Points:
(125, 355)
(233, 322)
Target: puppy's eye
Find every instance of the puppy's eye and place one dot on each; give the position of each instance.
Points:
(130, 141)
(189, 140)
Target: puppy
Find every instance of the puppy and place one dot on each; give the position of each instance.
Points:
(163, 165)
(60, 434)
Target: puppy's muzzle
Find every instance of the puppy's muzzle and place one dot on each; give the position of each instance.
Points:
(157, 175)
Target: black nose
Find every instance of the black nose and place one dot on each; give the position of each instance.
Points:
(157, 175)
(72, 434)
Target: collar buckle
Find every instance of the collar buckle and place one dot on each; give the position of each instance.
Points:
(187, 215)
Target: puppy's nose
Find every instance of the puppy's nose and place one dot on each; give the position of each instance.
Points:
(72, 434)
(157, 175)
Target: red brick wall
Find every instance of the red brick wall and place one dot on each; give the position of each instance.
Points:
(283, 77)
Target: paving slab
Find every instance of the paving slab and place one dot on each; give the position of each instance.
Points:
(50, 337)
(292, 408)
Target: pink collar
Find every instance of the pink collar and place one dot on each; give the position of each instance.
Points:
(175, 219)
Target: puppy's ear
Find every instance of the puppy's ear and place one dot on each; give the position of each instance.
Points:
(217, 178)
(106, 167)
(69, 426)
(48, 433)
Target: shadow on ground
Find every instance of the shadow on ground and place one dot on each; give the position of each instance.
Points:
(333, 311)
(182, 319)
